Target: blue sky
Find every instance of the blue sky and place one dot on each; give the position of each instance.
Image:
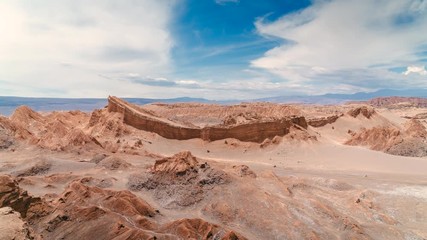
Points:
(212, 34)
(217, 49)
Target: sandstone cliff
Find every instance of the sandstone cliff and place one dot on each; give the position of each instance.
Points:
(322, 121)
(250, 132)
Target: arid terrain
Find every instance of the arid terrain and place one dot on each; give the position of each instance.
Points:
(206, 171)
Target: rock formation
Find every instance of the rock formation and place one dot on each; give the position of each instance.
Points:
(38, 167)
(415, 128)
(6, 140)
(365, 111)
(104, 175)
(12, 196)
(251, 132)
(322, 121)
(179, 181)
(12, 226)
(199, 229)
(244, 171)
(411, 141)
(377, 138)
(55, 131)
(177, 164)
(114, 163)
(85, 212)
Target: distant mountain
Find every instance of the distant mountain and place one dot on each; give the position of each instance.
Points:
(9, 104)
(396, 102)
(341, 98)
(381, 93)
(142, 101)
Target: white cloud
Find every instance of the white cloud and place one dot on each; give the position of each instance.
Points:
(187, 82)
(421, 70)
(340, 41)
(76, 48)
(57, 48)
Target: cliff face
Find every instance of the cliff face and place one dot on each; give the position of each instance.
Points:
(249, 132)
(322, 121)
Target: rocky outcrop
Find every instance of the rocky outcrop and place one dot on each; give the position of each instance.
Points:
(417, 116)
(177, 164)
(411, 141)
(250, 132)
(114, 163)
(38, 167)
(410, 147)
(12, 226)
(94, 213)
(415, 128)
(13, 130)
(244, 171)
(26, 115)
(199, 229)
(89, 212)
(365, 111)
(6, 138)
(179, 180)
(322, 121)
(55, 131)
(377, 138)
(12, 196)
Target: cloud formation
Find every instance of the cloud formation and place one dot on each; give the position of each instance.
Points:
(421, 70)
(76, 48)
(352, 43)
(259, 85)
(64, 46)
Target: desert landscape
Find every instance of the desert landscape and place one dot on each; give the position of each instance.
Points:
(253, 170)
(213, 120)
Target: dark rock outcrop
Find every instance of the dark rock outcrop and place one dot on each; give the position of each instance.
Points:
(244, 171)
(322, 121)
(179, 181)
(365, 111)
(12, 196)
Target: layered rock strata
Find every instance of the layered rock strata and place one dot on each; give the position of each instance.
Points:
(249, 132)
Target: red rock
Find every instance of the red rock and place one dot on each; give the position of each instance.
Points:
(251, 132)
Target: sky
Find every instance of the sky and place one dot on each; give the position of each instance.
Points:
(215, 49)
